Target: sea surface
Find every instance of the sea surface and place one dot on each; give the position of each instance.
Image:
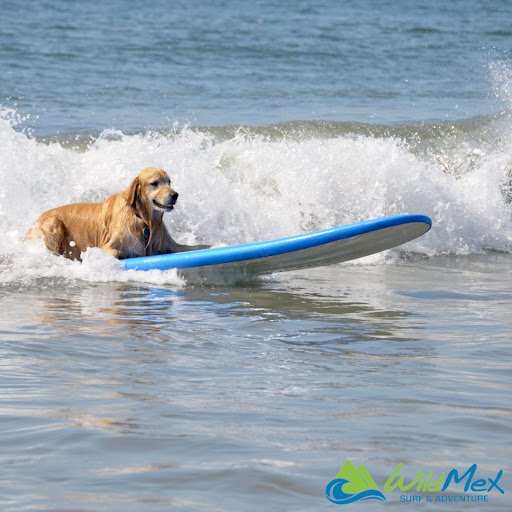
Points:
(158, 391)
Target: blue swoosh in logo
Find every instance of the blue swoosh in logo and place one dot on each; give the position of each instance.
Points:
(334, 493)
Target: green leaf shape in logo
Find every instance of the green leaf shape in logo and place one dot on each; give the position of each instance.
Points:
(359, 479)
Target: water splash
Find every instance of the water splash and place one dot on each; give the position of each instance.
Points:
(254, 185)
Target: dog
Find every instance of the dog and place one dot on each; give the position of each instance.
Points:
(126, 224)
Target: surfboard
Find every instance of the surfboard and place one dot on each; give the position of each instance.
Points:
(313, 249)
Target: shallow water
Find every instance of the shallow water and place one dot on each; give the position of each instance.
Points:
(131, 396)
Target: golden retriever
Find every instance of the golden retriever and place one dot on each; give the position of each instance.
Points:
(126, 224)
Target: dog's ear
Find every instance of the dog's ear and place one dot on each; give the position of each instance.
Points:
(133, 192)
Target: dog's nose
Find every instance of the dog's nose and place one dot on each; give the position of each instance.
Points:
(174, 198)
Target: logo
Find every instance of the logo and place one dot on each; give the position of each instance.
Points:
(352, 484)
(467, 485)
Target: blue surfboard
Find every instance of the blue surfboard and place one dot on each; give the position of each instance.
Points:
(314, 249)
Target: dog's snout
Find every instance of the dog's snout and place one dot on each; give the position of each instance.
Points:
(174, 197)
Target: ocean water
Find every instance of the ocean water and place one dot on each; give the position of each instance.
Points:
(129, 391)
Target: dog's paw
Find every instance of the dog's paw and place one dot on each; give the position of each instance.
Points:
(218, 245)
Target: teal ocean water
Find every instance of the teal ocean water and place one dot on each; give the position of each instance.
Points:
(94, 65)
(128, 391)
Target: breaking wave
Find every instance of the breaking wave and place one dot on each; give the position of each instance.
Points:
(246, 184)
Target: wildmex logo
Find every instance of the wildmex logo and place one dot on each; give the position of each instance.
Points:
(353, 484)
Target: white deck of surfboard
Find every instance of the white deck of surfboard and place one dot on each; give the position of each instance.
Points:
(340, 251)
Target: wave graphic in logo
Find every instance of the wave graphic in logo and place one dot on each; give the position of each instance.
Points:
(334, 492)
(352, 484)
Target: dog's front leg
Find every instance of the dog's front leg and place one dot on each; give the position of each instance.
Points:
(112, 251)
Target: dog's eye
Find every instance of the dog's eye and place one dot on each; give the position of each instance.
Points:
(154, 183)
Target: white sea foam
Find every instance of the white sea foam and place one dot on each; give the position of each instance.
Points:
(253, 187)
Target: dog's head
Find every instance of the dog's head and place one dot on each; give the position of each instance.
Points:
(151, 191)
